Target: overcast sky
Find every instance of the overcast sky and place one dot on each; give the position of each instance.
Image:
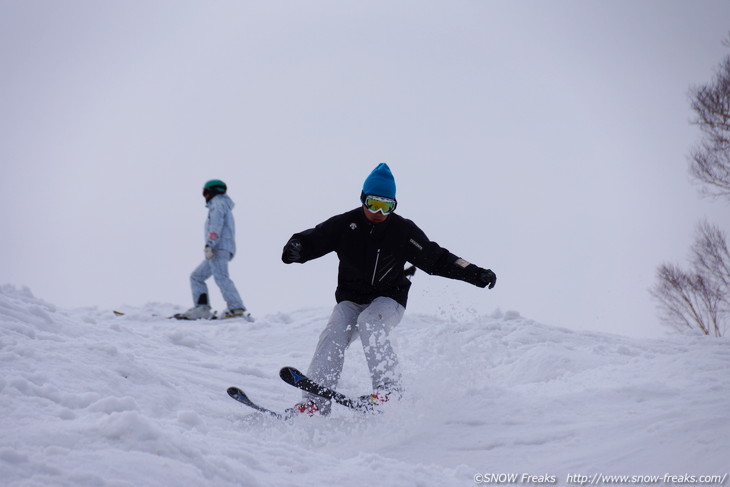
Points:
(547, 141)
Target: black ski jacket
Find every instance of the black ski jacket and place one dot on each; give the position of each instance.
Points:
(372, 256)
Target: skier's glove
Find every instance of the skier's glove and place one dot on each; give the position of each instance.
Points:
(486, 277)
(292, 251)
(474, 274)
(209, 253)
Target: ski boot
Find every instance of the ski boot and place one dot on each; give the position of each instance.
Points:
(236, 313)
(308, 407)
(199, 312)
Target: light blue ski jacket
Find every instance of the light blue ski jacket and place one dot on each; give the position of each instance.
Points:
(220, 229)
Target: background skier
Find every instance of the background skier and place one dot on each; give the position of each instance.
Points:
(220, 248)
(373, 244)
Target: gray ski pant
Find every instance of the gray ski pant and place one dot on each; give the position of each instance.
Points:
(372, 323)
(218, 268)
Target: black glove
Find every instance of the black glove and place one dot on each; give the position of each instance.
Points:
(409, 271)
(485, 278)
(292, 251)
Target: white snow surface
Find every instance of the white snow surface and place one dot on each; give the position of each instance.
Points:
(89, 398)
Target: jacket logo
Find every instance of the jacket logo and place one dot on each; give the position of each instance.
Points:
(353, 226)
(462, 263)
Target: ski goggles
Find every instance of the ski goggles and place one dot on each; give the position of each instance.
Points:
(379, 204)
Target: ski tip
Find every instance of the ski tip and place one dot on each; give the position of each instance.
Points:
(234, 391)
(289, 368)
(291, 375)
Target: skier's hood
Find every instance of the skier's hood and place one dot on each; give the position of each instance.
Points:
(221, 199)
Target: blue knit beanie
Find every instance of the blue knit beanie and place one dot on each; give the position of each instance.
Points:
(380, 182)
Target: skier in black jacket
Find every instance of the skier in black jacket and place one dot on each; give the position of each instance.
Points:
(373, 245)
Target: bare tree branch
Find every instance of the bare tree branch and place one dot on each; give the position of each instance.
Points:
(678, 303)
(711, 256)
(710, 160)
(699, 299)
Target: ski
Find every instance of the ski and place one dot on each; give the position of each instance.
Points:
(214, 317)
(241, 397)
(294, 377)
(246, 316)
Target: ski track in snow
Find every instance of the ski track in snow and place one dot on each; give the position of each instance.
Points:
(93, 399)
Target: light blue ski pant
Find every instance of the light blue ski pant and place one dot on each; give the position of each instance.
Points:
(372, 323)
(218, 268)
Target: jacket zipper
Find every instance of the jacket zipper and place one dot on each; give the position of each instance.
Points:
(375, 270)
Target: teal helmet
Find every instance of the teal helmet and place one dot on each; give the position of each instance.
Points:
(215, 186)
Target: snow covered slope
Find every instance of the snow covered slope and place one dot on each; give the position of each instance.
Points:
(88, 398)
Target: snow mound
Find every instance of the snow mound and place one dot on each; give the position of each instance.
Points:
(90, 397)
